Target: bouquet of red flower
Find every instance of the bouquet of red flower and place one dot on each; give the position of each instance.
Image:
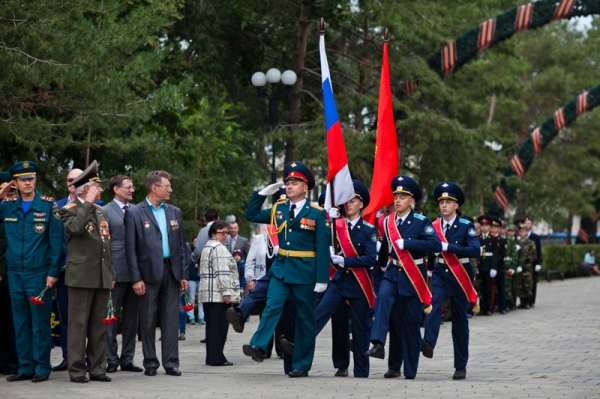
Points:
(110, 314)
(188, 306)
(37, 300)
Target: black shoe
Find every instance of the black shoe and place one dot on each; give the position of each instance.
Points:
(10, 371)
(287, 345)
(39, 377)
(254, 351)
(151, 371)
(236, 319)
(112, 367)
(409, 378)
(503, 311)
(203, 341)
(61, 367)
(295, 373)
(131, 367)
(18, 377)
(81, 380)
(342, 373)
(427, 349)
(227, 363)
(101, 378)
(351, 345)
(528, 306)
(173, 371)
(377, 351)
(392, 373)
(460, 374)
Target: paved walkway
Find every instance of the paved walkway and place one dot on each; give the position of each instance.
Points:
(552, 351)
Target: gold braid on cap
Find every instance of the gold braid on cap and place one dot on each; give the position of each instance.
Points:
(447, 197)
(23, 174)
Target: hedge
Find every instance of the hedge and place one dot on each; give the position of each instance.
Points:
(567, 258)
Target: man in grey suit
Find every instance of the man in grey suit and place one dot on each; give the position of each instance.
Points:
(236, 241)
(210, 216)
(122, 190)
(158, 261)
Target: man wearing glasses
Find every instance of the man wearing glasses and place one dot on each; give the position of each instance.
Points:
(158, 262)
(122, 190)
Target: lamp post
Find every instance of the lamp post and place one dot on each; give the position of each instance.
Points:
(273, 76)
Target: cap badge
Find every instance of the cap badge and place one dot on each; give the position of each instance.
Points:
(445, 185)
(400, 179)
(444, 194)
(399, 187)
(294, 165)
(25, 165)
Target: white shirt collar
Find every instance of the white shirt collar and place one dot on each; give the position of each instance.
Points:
(353, 222)
(121, 205)
(299, 205)
(403, 217)
(81, 199)
(450, 222)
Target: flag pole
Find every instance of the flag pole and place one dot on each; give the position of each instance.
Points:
(332, 194)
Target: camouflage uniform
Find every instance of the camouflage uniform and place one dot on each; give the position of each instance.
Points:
(511, 262)
(527, 258)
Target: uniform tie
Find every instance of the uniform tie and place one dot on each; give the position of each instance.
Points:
(292, 212)
(447, 228)
(349, 226)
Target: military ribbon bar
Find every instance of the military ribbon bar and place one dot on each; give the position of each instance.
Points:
(456, 267)
(408, 264)
(362, 275)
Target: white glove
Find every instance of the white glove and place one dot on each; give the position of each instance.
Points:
(519, 269)
(337, 260)
(378, 244)
(518, 247)
(400, 243)
(270, 189)
(429, 273)
(320, 287)
(493, 273)
(383, 269)
(444, 246)
(538, 268)
(334, 213)
(276, 249)
(510, 272)
(480, 251)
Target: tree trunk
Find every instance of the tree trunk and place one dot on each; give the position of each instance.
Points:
(569, 227)
(296, 91)
(521, 203)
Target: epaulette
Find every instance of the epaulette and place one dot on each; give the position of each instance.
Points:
(70, 205)
(13, 199)
(282, 200)
(46, 198)
(465, 221)
(479, 234)
(494, 235)
(98, 206)
(368, 224)
(316, 207)
(419, 216)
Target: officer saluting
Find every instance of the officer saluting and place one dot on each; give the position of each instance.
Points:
(488, 264)
(34, 234)
(301, 267)
(452, 276)
(408, 238)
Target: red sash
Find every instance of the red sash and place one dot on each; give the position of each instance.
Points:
(362, 275)
(380, 226)
(456, 267)
(408, 263)
(272, 234)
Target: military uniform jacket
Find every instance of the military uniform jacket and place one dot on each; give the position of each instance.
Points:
(308, 231)
(89, 263)
(34, 238)
(419, 239)
(511, 256)
(489, 253)
(527, 255)
(364, 240)
(462, 241)
(538, 247)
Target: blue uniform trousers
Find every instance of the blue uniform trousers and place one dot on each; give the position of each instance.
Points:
(334, 307)
(256, 298)
(408, 311)
(304, 335)
(32, 322)
(460, 323)
(395, 347)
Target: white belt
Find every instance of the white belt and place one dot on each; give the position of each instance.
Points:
(417, 262)
(507, 258)
(461, 260)
(487, 254)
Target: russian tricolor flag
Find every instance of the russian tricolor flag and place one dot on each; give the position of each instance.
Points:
(339, 183)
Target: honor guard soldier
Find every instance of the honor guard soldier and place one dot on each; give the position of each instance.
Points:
(500, 280)
(34, 235)
(510, 261)
(351, 289)
(538, 261)
(408, 238)
(89, 277)
(301, 267)
(526, 265)
(488, 264)
(452, 276)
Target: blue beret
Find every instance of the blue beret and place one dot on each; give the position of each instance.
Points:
(23, 170)
(406, 185)
(449, 191)
(296, 170)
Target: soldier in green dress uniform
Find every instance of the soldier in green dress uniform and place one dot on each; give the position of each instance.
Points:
(89, 276)
(510, 260)
(526, 264)
(34, 235)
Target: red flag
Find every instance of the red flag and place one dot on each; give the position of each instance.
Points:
(386, 146)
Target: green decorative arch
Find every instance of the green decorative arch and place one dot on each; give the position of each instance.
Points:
(493, 31)
(537, 141)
